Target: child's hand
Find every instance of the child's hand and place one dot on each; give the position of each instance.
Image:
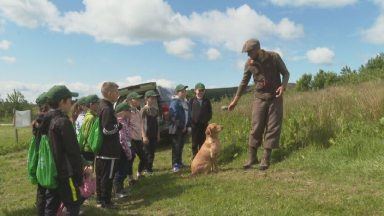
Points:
(145, 140)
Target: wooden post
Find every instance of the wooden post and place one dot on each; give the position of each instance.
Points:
(14, 125)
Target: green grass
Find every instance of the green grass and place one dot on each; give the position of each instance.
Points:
(331, 162)
(8, 140)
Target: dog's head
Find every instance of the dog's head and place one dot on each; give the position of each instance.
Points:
(213, 130)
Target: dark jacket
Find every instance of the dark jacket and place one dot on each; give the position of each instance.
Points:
(111, 144)
(266, 71)
(177, 114)
(200, 114)
(64, 146)
(36, 127)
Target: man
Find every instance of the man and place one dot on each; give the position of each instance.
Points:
(267, 111)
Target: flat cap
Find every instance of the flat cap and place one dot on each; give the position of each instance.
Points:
(250, 45)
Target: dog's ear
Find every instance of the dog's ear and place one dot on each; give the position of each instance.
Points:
(208, 131)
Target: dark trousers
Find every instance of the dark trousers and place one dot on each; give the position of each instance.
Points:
(150, 149)
(178, 141)
(67, 193)
(198, 137)
(123, 169)
(137, 146)
(88, 156)
(40, 200)
(105, 172)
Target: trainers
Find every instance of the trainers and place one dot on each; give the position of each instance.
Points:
(121, 195)
(176, 168)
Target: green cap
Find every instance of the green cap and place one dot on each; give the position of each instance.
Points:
(90, 99)
(82, 101)
(59, 92)
(150, 93)
(42, 99)
(200, 86)
(180, 87)
(122, 107)
(250, 45)
(134, 95)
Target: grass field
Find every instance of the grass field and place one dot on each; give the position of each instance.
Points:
(331, 162)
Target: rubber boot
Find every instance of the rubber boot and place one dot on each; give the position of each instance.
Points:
(252, 158)
(264, 164)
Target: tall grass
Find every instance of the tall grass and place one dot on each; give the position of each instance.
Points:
(310, 118)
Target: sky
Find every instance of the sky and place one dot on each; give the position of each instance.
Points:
(84, 43)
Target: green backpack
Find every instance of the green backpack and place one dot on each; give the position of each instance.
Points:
(46, 172)
(95, 137)
(32, 160)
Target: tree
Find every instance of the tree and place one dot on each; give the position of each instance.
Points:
(324, 79)
(304, 83)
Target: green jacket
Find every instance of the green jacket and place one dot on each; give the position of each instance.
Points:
(84, 131)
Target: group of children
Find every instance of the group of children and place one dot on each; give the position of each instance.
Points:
(127, 130)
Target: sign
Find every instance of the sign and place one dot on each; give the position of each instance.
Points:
(22, 118)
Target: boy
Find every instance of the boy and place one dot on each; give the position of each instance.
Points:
(110, 148)
(80, 109)
(123, 168)
(42, 103)
(135, 127)
(92, 104)
(150, 129)
(201, 114)
(65, 151)
(180, 120)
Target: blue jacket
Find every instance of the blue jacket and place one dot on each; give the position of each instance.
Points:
(177, 114)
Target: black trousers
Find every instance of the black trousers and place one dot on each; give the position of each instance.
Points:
(149, 150)
(40, 200)
(105, 172)
(198, 137)
(137, 146)
(178, 141)
(67, 193)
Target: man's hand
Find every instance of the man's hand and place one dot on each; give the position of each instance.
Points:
(145, 140)
(280, 91)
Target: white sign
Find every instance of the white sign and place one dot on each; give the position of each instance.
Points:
(22, 118)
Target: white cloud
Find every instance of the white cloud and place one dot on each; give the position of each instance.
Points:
(375, 33)
(213, 54)
(8, 59)
(70, 61)
(321, 55)
(32, 90)
(181, 47)
(135, 80)
(4, 44)
(31, 13)
(240, 63)
(314, 3)
(136, 21)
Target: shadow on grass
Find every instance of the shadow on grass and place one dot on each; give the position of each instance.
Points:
(144, 193)
(230, 153)
(319, 137)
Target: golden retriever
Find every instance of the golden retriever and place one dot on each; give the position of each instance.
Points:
(205, 160)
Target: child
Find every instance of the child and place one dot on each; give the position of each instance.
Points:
(92, 104)
(110, 148)
(78, 113)
(42, 103)
(66, 152)
(135, 133)
(201, 114)
(123, 114)
(86, 190)
(150, 129)
(180, 120)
